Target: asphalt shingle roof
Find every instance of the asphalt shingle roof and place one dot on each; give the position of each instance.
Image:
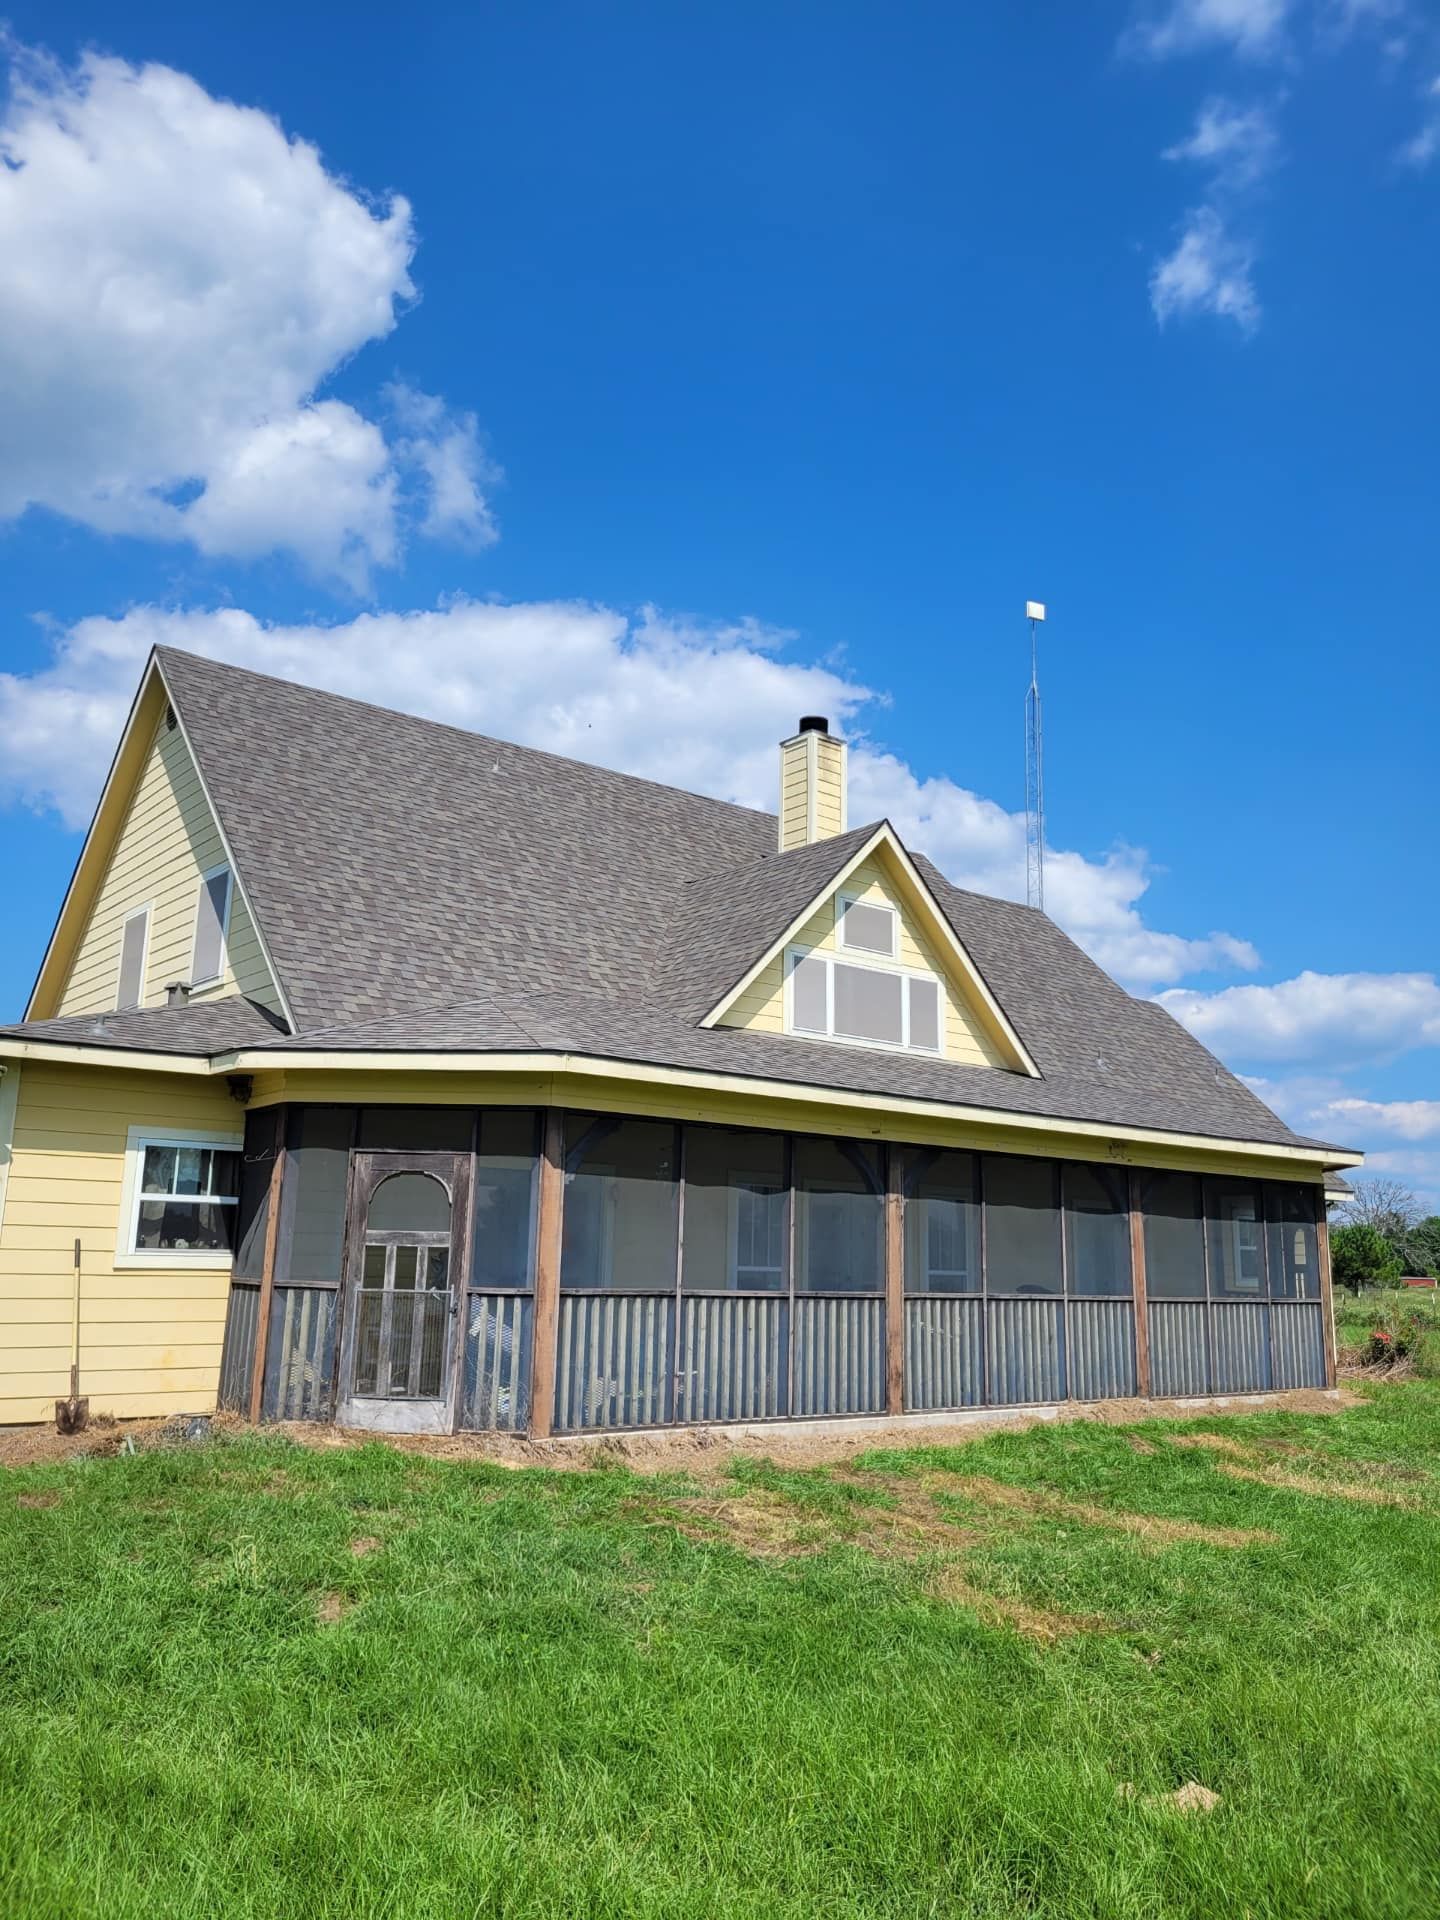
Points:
(423, 888)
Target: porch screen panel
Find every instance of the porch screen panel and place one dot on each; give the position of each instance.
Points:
(942, 1224)
(618, 1258)
(1235, 1233)
(499, 1314)
(263, 1133)
(736, 1212)
(1022, 1227)
(839, 1218)
(312, 1199)
(1097, 1231)
(415, 1129)
(1292, 1241)
(1174, 1236)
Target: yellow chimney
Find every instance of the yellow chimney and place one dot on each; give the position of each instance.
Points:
(812, 785)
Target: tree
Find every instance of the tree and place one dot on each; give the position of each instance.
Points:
(1422, 1250)
(1361, 1256)
(1387, 1205)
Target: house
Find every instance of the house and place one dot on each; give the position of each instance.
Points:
(380, 1073)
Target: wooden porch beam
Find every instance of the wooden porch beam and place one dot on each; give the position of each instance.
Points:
(267, 1270)
(1327, 1295)
(547, 1275)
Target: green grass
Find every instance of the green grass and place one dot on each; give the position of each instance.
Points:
(583, 1694)
(1413, 1310)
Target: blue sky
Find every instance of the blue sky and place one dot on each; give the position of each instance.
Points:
(631, 379)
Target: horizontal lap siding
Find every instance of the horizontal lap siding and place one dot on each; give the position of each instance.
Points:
(150, 1338)
(168, 841)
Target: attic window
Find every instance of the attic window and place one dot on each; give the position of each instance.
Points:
(134, 938)
(868, 1006)
(212, 927)
(866, 927)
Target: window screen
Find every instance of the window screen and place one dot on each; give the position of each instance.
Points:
(942, 1225)
(925, 1014)
(621, 1211)
(868, 928)
(312, 1196)
(263, 1133)
(736, 1212)
(1293, 1241)
(416, 1129)
(1234, 1223)
(867, 1004)
(1022, 1226)
(1174, 1236)
(210, 920)
(188, 1199)
(1097, 1230)
(809, 1000)
(506, 1171)
(839, 1218)
(132, 961)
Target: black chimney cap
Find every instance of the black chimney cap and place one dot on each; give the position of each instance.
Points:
(814, 723)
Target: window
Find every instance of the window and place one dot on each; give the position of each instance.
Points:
(1234, 1219)
(736, 1211)
(942, 1225)
(866, 1005)
(184, 1199)
(1097, 1230)
(1022, 1226)
(212, 927)
(134, 939)
(867, 927)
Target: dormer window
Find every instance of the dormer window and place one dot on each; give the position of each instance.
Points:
(212, 928)
(871, 1006)
(865, 926)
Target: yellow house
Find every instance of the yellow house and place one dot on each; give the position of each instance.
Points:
(382, 1073)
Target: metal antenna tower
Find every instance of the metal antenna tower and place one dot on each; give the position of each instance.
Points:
(1034, 770)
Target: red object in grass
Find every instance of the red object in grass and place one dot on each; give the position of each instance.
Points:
(1419, 1280)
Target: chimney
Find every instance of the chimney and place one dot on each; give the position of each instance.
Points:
(812, 785)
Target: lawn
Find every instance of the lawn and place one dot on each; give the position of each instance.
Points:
(248, 1678)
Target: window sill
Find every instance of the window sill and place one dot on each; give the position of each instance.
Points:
(206, 1262)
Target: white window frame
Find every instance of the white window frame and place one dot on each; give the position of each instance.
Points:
(844, 900)
(213, 979)
(754, 1184)
(147, 911)
(851, 957)
(137, 1140)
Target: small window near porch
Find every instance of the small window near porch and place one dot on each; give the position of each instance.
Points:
(185, 1198)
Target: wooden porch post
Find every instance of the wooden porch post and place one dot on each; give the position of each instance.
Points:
(547, 1276)
(1327, 1293)
(895, 1281)
(267, 1270)
(1137, 1272)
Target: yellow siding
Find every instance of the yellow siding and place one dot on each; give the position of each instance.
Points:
(169, 840)
(149, 1336)
(762, 1004)
(811, 759)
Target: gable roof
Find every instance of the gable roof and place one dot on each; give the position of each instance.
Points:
(425, 889)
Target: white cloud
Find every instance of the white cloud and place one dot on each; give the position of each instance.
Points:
(1209, 272)
(1252, 28)
(1422, 148)
(1341, 1019)
(1239, 145)
(1405, 1119)
(180, 280)
(459, 473)
(699, 706)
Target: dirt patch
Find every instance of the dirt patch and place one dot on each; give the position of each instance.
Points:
(331, 1609)
(1248, 1463)
(41, 1445)
(1189, 1798)
(1137, 1445)
(760, 1524)
(1044, 1624)
(366, 1543)
(37, 1499)
(1149, 1529)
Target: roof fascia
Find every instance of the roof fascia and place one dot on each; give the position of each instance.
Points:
(67, 1053)
(237, 877)
(305, 1060)
(886, 837)
(106, 823)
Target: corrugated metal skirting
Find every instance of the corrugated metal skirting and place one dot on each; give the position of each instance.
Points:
(944, 1353)
(615, 1360)
(300, 1354)
(839, 1356)
(1025, 1350)
(1297, 1343)
(1179, 1347)
(1240, 1339)
(1101, 1349)
(498, 1331)
(237, 1356)
(734, 1357)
